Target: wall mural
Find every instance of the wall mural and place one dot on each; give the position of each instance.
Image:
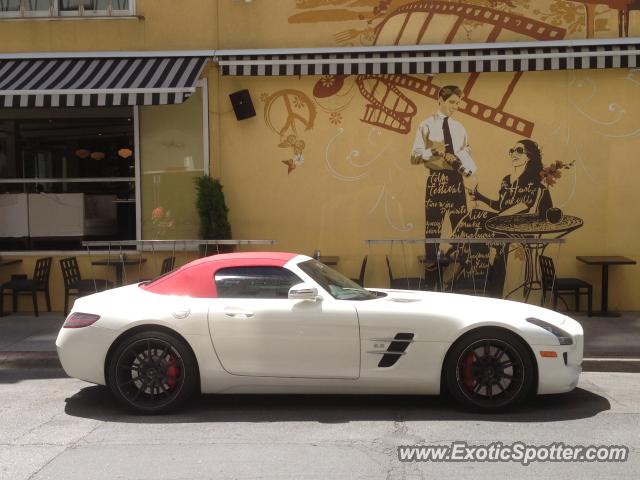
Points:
(586, 18)
(390, 108)
(523, 205)
(374, 134)
(285, 112)
(402, 22)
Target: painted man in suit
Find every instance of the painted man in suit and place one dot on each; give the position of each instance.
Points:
(441, 145)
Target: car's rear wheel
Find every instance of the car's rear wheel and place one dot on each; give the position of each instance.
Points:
(489, 370)
(152, 372)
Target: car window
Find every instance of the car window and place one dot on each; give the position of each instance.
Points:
(255, 282)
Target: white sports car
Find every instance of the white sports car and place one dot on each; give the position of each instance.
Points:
(286, 323)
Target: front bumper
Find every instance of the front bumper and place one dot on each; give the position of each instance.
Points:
(82, 352)
(560, 374)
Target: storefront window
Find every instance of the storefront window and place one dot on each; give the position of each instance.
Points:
(37, 5)
(172, 153)
(18, 8)
(93, 5)
(10, 5)
(66, 175)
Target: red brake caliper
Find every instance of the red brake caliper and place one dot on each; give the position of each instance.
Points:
(173, 372)
(467, 373)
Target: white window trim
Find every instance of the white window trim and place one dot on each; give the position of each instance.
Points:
(136, 155)
(204, 84)
(55, 12)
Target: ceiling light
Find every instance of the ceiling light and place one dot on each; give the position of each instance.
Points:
(125, 153)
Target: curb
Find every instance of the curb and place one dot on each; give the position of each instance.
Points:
(611, 364)
(29, 360)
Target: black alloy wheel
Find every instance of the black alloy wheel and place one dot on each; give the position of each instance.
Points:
(152, 372)
(489, 370)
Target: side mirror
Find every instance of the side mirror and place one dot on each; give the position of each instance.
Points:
(303, 291)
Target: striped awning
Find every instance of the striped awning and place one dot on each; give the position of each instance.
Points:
(96, 81)
(433, 59)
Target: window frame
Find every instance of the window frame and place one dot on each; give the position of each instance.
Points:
(274, 268)
(79, 113)
(206, 139)
(55, 12)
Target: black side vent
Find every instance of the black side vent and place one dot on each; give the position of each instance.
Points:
(396, 349)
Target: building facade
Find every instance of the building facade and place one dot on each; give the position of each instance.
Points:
(110, 109)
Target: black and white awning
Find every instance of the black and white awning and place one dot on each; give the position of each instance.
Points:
(434, 59)
(97, 81)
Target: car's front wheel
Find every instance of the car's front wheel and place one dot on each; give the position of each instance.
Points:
(489, 370)
(152, 372)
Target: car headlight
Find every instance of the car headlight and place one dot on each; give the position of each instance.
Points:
(563, 337)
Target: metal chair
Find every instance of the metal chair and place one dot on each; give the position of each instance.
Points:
(75, 285)
(360, 279)
(403, 283)
(21, 285)
(563, 286)
(168, 264)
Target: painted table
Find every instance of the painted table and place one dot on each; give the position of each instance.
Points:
(532, 226)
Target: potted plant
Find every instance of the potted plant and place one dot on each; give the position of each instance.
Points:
(212, 211)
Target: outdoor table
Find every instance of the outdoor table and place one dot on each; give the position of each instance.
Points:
(6, 263)
(119, 265)
(605, 261)
(443, 260)
(532, 226)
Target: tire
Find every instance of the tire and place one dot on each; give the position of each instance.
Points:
(152, 372)
(489, 370)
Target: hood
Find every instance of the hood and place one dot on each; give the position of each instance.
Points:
(482, 308)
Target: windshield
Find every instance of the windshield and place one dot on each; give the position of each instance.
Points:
(339, 286)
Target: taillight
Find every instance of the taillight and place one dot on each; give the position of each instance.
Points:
(79, 320)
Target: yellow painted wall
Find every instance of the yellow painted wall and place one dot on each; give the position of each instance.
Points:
(196, 24)
(159, 25)
(357, 182)
(313, 23)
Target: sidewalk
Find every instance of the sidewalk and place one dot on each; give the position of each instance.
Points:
(611, 344)
(29, 341)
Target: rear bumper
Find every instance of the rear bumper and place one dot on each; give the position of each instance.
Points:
(82, 352)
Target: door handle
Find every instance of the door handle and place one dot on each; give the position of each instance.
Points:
(229, 312)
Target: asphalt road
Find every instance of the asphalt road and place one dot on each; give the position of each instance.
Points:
(53, 427)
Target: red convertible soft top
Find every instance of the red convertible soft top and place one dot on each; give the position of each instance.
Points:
(195, 279)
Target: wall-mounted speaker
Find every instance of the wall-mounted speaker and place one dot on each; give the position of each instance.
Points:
(242, 104)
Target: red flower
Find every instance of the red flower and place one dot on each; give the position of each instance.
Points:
(157, 213)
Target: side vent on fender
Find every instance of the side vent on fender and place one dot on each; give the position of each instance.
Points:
(396, 349)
